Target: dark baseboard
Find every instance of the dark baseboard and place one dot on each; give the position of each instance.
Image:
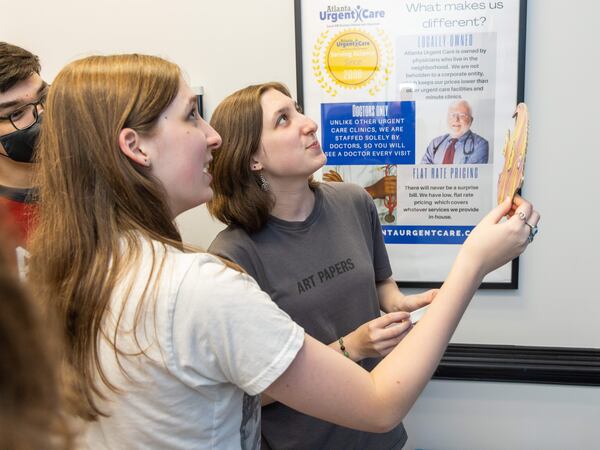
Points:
(519, 364)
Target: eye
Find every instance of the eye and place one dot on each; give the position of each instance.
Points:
(282, 119)
(193, 114)
(17, 115)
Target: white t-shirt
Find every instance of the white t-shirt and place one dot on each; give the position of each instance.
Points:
(212, 341)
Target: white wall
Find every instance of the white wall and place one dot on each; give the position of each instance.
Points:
(557, 304)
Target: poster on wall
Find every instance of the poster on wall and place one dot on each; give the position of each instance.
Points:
(413, 100)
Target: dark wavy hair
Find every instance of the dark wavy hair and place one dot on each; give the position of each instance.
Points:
(16, 65)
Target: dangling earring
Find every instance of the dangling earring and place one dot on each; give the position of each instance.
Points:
(264, 184)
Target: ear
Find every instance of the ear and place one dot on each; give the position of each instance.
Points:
(255, 164)
(129, 144)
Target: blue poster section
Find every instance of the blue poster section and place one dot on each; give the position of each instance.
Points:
(368, 133)
(425, 234)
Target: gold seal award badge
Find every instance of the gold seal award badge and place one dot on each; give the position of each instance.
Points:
(515, 147)
(352, 59)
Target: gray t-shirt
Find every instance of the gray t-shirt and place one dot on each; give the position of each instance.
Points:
(323, 273)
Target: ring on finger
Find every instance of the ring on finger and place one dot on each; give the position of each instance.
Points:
(533, 230)
(522, 216)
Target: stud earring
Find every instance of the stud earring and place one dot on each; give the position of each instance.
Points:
(146, 160)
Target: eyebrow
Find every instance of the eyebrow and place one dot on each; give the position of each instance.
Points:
(21, 101)
(290, 106)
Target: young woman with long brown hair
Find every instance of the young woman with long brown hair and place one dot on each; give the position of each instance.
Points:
(172, 346)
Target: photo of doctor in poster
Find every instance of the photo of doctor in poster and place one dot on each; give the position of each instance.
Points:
(460, 145)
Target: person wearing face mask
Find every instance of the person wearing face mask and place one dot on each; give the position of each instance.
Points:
(460, 145)
(22, 94)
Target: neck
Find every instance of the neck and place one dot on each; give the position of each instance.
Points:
(294, 201)
(460, 136)
(15, 174)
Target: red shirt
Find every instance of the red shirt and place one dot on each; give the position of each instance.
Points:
(21, 209)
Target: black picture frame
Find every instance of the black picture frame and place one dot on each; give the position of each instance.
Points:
(513, 283)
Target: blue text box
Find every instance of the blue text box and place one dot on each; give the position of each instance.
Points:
(425, 234)
(366, 133)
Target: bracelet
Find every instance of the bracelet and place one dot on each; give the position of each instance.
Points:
(343, 348)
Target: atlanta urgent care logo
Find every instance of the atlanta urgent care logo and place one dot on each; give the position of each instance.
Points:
(353, 15)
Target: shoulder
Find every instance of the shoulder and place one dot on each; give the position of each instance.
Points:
(229, 237)
(231, 243)
(208, 275)
(205, 285)
(439, 139)
(211, 293)
(479, 140)
(347, 198)
(343, 190)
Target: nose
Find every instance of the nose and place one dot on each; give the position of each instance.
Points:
(309, 126)
(213, 139)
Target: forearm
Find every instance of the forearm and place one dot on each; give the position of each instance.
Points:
(389, 295)
(329, 386)
(354, 353)
(332, 388)
(403, 374)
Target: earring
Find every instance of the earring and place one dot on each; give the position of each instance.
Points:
(264, 184)
(146, 160)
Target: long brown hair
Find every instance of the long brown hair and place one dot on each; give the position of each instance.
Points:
(92, 196)
(238, 198)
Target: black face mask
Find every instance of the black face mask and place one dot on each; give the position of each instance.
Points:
(20, 145)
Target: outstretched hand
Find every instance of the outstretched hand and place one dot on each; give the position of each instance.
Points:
(378, 337)
(493, 243)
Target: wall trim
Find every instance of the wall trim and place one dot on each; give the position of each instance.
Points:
(520, 364)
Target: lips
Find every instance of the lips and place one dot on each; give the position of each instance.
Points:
(314, 145)
(206, 167)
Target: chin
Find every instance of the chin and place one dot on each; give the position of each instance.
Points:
(322, 160)
(206, 196)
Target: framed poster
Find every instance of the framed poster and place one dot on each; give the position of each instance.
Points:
(413, 100)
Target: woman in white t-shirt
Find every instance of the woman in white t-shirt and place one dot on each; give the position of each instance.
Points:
(173, 346)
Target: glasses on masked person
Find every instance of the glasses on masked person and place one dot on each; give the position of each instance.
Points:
(19, 144)
(27, 115)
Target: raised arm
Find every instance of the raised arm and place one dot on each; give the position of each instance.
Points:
(326, 385)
